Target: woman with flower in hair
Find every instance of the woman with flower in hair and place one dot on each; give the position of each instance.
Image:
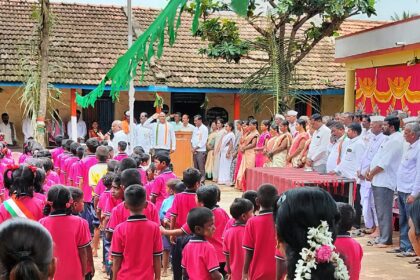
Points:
(306, 234)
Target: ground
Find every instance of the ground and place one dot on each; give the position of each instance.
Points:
(377, 264)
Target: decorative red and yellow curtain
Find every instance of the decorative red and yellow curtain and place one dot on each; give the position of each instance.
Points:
(385, 89)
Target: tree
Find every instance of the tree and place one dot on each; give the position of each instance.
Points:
(404, 15)
(288, 31)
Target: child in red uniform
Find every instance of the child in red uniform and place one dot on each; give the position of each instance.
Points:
(69, 161)
(348, 248)
(70, 234)
(158, 185)
(199, 258)
(250, 195)
(260, 238)
(122, 146)
(21, 182)
(241, 210)
(62, 159)
(21, 239)
(75, 169)
(133, 236)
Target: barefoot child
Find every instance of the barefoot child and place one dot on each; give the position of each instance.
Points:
(241, 210)
(260, 237)
(199, 258)
(133, 236)
(70, 234)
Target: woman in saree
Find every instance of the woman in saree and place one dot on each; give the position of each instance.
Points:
(262, 141)
(238, 136)
(298, 144)
(210, 150)
(217, 144)
(226, 156)
(248, 153)
(245, 131)
(278, 154)
(271, 143)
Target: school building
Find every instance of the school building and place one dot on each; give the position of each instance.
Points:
(86, 40)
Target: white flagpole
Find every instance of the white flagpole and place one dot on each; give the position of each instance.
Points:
(131, 90)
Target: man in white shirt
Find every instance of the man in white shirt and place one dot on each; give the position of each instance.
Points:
(143, 134)
(186, 126)
(350, 162)
(338, 143)
(27, 127)
(163, 135)
(408, 185)
(8, 129)
(119, 135)
(291, 118)
(176, 124)
(81, 128)
(318, 149)
(366, 133)
(366, 195)
(198, 143)
(383, 175)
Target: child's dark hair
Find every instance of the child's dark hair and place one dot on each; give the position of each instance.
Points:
(26, 250)
(73, 148)
(172, 183)
(179, 187)
(137, 158)
(27, 146)
(102, 153)
(207, 195)
(267, 196)
(117, 180)
(80, 152)
(347, 216)
(144, 158)
(92, 144)
(122, 145)
(299, 210)
(112, 165)
(47, 164)
(197, 217)
(163, 158)
(240, 206)
(191, 177)
(67, 144)
(24, 180)
(127, 163)
(44, 153)
(251, 195)
(76, 193)
(107, 179)
(134, 196)
(59, 198)
(138, 150)
(130, 177)
(58, 140)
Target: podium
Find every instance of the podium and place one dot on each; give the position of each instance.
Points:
(182, 157)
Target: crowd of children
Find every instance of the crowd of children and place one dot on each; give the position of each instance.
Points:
(146, 217)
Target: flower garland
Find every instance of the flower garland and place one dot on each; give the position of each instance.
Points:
(321, 251)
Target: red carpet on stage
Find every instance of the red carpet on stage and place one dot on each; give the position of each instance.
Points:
(289, 178)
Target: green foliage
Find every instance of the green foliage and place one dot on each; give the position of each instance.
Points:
(404, 15)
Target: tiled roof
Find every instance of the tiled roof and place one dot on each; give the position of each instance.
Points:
(86, 40)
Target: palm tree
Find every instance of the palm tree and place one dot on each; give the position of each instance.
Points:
(404, 15)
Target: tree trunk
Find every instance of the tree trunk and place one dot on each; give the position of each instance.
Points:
(43, 94)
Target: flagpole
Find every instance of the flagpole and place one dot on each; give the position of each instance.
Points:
(131, 90)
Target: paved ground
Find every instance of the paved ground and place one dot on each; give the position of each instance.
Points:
(377, 264)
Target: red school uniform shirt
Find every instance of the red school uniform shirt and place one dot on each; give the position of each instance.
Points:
(120, 214)
(33, 205)
(110, 204)
(55, 153)
(229, 224)
(199, 259)
(85, 164)
(352, 254)
(137, 241)
(183, 203)
(158, 186)
(103, 198)
(74, 171)
(100, 188)
(62, 160)
(143, 178)
(67, 165)
(260, 238)
(232, 247)
(220, 220)
(69, 234)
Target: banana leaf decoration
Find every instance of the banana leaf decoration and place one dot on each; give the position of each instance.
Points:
(158, 101)
(143, 49)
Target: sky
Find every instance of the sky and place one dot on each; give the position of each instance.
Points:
(385, 8)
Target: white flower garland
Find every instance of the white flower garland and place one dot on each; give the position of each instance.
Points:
(321, 250)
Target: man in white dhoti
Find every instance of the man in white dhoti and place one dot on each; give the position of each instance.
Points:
(366, 195)
(163, 135)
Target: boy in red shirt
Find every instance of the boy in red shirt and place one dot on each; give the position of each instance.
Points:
(348, 248)
(122, 146)
(241, 210)
(260, 238)
(199, 258)
(136, 244)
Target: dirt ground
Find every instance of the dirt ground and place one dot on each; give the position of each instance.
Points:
(376, 265)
